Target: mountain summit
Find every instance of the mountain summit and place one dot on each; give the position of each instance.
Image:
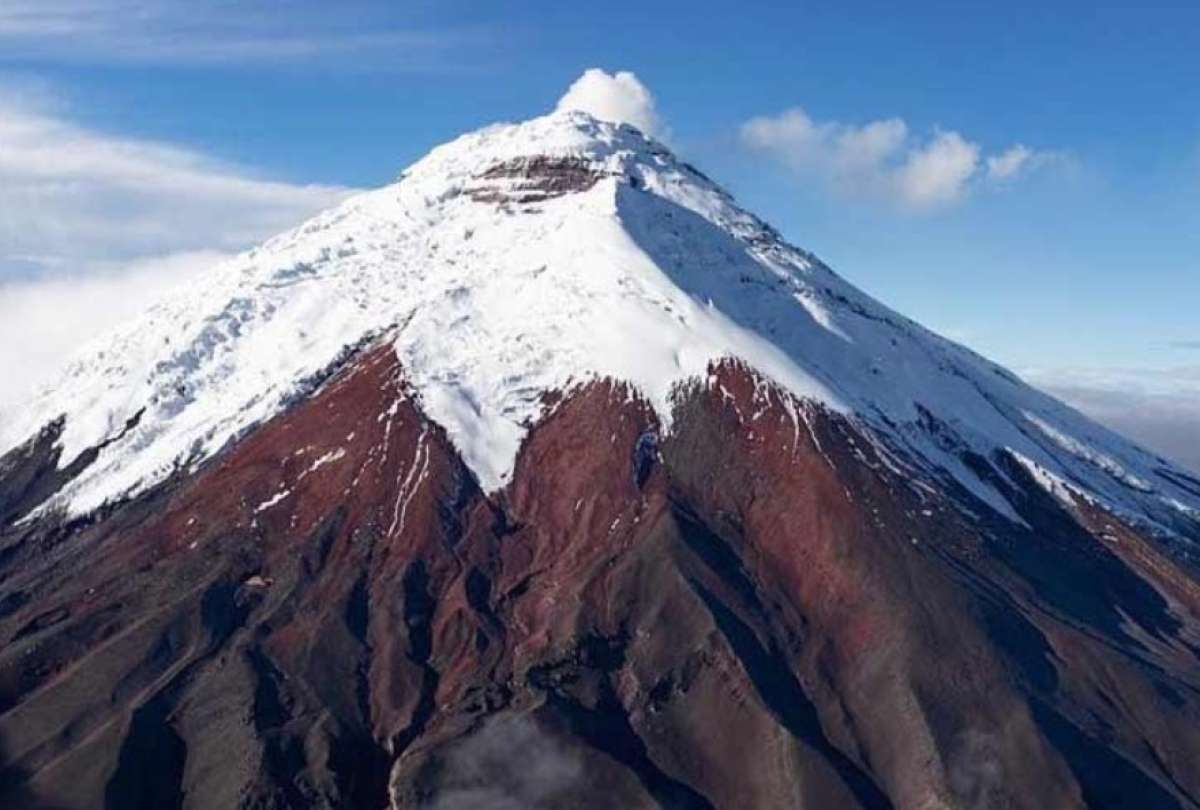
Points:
(547, 476)
(528, 259)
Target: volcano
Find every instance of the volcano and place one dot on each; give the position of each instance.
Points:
(548, 477)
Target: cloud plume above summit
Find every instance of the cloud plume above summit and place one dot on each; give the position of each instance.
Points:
(619, 96)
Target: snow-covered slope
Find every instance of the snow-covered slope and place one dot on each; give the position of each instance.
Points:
(526, 258)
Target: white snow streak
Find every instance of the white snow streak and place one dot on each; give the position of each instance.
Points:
(417, 470)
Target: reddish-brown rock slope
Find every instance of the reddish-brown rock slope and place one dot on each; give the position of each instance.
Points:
(749, 611)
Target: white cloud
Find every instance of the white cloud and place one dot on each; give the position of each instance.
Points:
(869, 145)
(616, 96)
(846, 151)
(938, 172)
(1009, 163)
(882, 159)
(93, 227)
(1020, 161)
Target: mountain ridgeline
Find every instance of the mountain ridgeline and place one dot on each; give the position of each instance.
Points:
(548, 477)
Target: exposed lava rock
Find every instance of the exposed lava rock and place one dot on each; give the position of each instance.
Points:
(750, 610)
(534, 179)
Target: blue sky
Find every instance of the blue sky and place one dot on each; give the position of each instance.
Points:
(1077, 267)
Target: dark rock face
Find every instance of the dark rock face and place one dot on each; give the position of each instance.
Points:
(534, 179)
(750, 611)
(31, 473)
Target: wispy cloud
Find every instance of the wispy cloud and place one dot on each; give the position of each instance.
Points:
(212, 32)
(71, 195)
(885, 159)
(1184, 344)
(93, 227)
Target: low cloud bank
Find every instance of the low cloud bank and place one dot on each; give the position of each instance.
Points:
(1158, 408)
(48, 319)
(96, 227)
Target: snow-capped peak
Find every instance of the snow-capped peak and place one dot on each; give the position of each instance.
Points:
(525, 258)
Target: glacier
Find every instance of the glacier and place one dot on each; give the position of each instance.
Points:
(529, 258)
